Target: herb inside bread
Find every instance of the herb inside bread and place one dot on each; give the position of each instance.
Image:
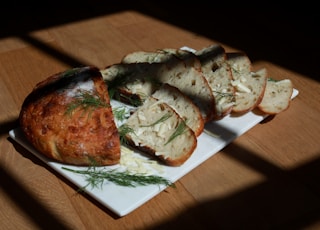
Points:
(159, 131)
(187, 110)
(182, 70)
(219, 76)
(277, 96)
(249, 85)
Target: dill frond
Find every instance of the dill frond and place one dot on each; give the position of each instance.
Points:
(96, 177)
(86, 101)
(161, 119)
(179, 131)
(123, 131)
(272, 79)
(219, 95)
(120, 113)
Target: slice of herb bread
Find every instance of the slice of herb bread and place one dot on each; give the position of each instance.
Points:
(219, 76)
(277, 96)
(249, 85)
(156, 129)
(187, 110)
(131, 83)
(182, 70)
(140, 56)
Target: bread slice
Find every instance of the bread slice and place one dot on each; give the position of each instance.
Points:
(184, 73)
(158, 56)
(158, 130)
(189, 58)
(131, 83)
(219, 76)
(277, 96)
(193, 84)
(250, 86)
(187, 110)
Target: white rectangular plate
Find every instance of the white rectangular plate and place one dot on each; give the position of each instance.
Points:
(123, 200)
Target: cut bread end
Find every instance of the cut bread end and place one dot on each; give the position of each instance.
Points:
(277, 96)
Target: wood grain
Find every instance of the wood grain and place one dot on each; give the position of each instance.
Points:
(267, 178)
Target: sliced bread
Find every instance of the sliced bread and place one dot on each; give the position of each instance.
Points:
(158, 56)
(249, 85)
(156, 129)
(184, 73)
(277, 96)
(219, 76)
(183, 105)
(130, 83)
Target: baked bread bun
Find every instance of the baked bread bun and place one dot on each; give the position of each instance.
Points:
(219, 76)
(249, 85)
(158, 130)
(277, 96)
(68, 118)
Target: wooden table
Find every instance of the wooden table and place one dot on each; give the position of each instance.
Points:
(267, 178)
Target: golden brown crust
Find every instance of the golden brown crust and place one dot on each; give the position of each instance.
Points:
(79, 135)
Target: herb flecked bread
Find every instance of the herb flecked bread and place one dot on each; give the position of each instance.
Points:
(249, 85)
(131, 83)
(181, 69)
(186, 109)
(277, 96)
(155, 128)
(68, 118)
(219, 76)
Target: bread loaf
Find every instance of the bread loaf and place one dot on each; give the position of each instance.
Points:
(277, 96)
(158, 130)
(219, 76)
(68, 118)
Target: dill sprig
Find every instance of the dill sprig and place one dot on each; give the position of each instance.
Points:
(70, 72)
(85, 100)
(134, 100)
(219, 95)
(96, 177)
(120, 113)
(123, 131)
(179, 131)
(161, 119)
(272, 79)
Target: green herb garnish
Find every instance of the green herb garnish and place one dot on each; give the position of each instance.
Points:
(120, 113)
(85, 101)
(70, 72)
(272, 79)
(134, 100)
(123, 131)
(179, 131)
(222, 95)
(161, 119)
(96, 177)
